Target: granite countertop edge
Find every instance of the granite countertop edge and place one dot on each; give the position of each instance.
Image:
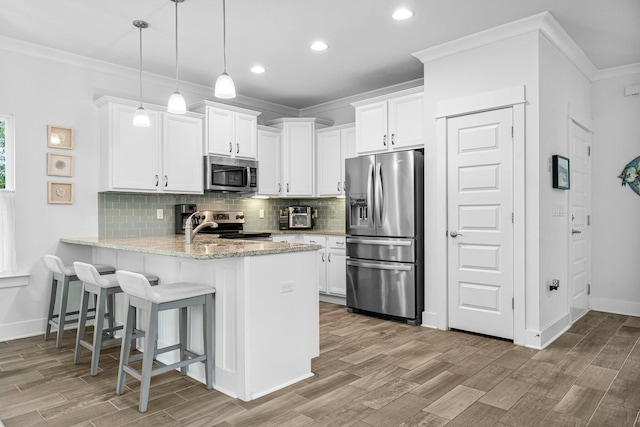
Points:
(205, 248)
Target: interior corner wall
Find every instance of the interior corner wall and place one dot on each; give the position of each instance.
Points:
(500, 65)
(615, 283)
(564, 91)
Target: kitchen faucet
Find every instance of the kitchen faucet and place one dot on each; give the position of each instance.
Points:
(190, 232)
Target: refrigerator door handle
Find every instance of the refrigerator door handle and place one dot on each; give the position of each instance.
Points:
(379, 242)
(369, 200)
(379, 194)
(397, 267)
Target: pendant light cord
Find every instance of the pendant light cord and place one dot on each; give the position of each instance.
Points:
(176, 44)
(224, 35)
(140, 79)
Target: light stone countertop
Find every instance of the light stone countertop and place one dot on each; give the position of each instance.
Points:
(204, 247)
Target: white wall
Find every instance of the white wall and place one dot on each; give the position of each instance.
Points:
(564, 92)
(501, 65)
(616, 209)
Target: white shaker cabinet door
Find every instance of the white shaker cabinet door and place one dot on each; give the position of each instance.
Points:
(134, 151)
(269, 181)
(220, 131)
(298, 157)
(183, 159)
(406, 121)
(329, 163)
(245, 136)
(371, 128)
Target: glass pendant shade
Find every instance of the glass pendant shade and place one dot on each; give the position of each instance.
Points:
(141, 118)
(225, 88)
(176, 104)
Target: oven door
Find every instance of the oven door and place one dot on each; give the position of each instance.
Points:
(382, 287)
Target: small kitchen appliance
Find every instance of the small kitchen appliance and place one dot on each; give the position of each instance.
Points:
(300, 217)
(230, 224)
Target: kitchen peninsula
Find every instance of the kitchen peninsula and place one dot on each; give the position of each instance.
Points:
(266, 304)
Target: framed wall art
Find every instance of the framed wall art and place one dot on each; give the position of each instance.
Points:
(59, 137)
(60, 192)
(561, 172)
(59, 164)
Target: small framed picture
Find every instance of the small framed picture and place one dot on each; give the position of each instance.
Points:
(60, 192)
(59, 164)
(59, 137)
(561, 173)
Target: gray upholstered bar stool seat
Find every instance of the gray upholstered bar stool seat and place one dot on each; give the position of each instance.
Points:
(63, 275)
(104, 287)
(140, 294)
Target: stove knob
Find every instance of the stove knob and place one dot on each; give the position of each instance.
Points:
(239, 216)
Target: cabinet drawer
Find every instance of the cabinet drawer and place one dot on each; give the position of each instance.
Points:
(315, 239)
(338, 242)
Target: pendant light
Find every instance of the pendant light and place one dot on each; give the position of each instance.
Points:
(225, 88)
(141, 117)
(176, 103)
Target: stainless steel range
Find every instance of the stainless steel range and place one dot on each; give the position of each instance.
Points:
(230, 223)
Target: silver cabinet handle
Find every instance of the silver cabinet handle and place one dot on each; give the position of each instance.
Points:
(455, 234)
(393, 137)
(384, 140)
(279, 188)
(157, 180)
(323, 257)
(287, 187)
(237, 148)
(574, 231)
(312, 241)
(329, 257)
(338, 186)
(380, 242)
(166, 181)
(230, 147)
(339, 243)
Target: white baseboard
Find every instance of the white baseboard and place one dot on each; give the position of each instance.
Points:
(430, 320)
(333, 299)
(629, 308)
(28, 328)
(540, 339)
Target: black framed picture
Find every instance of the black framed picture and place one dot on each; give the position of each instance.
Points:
(561, 172)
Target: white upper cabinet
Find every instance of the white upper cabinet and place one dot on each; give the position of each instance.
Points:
(230, 131)
(165, 157)
(392, 122)
(298, 154)
(333, 145)
(269, 167)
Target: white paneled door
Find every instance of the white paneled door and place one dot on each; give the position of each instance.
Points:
(480, 227)
(579, 207)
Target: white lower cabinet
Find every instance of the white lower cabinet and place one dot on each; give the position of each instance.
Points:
(332, 279)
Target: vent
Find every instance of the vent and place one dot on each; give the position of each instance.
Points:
(632, 90)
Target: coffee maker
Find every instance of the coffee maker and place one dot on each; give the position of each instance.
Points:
(182, 212)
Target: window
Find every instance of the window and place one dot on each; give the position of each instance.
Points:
(6, 152)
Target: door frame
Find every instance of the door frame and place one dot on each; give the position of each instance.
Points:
(514, 97)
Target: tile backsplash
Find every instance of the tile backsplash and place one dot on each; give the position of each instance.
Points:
(128, 214)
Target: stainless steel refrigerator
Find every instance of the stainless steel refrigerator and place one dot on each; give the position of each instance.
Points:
(385, 223)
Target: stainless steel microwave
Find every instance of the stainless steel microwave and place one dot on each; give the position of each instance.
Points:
(230, 175)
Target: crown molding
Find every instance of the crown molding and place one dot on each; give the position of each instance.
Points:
(542, 22)
(625, 70)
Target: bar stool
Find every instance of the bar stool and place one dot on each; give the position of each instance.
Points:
(140, 294)
(104, 287)
(63, 275)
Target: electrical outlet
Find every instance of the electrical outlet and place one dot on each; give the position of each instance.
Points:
(261, 213)
(159, 214)
(555, 284)
(286, 287)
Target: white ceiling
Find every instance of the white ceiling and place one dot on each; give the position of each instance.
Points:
(367, 49)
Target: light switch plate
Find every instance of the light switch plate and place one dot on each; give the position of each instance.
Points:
(261, 213)
(159, 214)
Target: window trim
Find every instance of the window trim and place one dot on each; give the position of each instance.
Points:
(9, 144)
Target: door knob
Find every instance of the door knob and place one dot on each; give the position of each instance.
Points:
(574, 231)
(455, 234)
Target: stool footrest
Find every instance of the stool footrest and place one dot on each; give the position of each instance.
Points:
(162, 369)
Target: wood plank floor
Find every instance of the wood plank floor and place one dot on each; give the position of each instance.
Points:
(370, 372)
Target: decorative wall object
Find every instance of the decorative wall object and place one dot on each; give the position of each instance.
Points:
(59, 137)
(631, 175)
(561, 172)
(60, 192)
(59, 164)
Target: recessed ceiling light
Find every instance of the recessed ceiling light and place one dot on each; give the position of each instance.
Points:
(258, 69)
(402, 14)
(319, 46)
